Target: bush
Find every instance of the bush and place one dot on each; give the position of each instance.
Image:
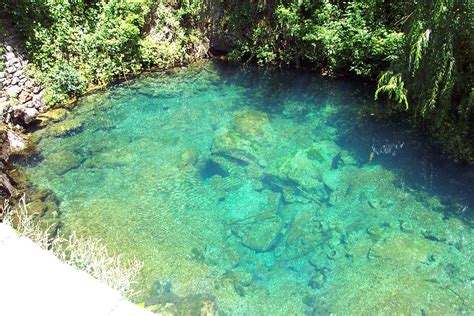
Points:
(73, 44)
(67, 80)
(337, 38)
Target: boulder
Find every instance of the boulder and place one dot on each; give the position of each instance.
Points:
(29, 115)
(16, 142)
(24, 96)
(11, 62)
(7, 185)
(308, 166)
(230, 143)
(11, 69)
(66, 128)
(13, 91)
(245, 138)
(18, 73)
(62, 162)
(9, 55)
(260, 233)
(3, 107)
(28, 83)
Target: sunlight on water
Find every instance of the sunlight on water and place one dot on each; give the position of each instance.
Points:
(263, 193)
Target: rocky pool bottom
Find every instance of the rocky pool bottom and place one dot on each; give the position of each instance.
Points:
(253, 192)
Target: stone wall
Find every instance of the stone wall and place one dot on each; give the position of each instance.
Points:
(21, 98)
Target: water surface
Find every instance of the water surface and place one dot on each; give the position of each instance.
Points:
(263, 193)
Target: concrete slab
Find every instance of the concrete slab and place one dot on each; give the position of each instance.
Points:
(34, 282)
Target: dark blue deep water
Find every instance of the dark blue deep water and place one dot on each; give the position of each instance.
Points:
(264, 193)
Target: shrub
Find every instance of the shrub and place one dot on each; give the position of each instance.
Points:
(73, 44)
(67, 80)
(338, 38)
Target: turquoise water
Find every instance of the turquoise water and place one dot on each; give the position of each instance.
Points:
(263, 193)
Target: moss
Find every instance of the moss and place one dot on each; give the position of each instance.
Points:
(314, 154)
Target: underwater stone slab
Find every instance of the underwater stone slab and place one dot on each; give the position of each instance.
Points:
(245, 137)
(63, 161)
(244, 203)
(261, 234)
(308, 166)
(66, 128)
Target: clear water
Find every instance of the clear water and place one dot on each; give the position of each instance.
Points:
(263, 193)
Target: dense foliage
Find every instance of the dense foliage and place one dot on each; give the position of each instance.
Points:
(335, 36)
(434, 77)
(77, 42)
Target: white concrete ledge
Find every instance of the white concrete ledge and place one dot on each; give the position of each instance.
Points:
(34, 282)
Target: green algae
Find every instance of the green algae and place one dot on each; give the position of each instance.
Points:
(247, 199)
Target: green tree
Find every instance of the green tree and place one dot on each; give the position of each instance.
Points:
(434, 77)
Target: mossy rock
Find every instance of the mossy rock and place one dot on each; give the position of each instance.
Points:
(54, 115)
(308, 166)
(245, 138)
(62, 162)
(66, 128)
(251, 123)
(261, 234)
(231, 143)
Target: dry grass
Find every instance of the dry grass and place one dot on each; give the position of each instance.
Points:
(85, 254)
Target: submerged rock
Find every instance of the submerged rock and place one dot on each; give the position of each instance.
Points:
(317, 280)
(308, 166)
(66, 128)
(245, 138)
(230, 143)
(188, 158)
(261, 234)
(251, 123)
(62, 162)
(54, 115)
(304, 233)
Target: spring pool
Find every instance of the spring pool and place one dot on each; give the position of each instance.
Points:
(263, 193)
